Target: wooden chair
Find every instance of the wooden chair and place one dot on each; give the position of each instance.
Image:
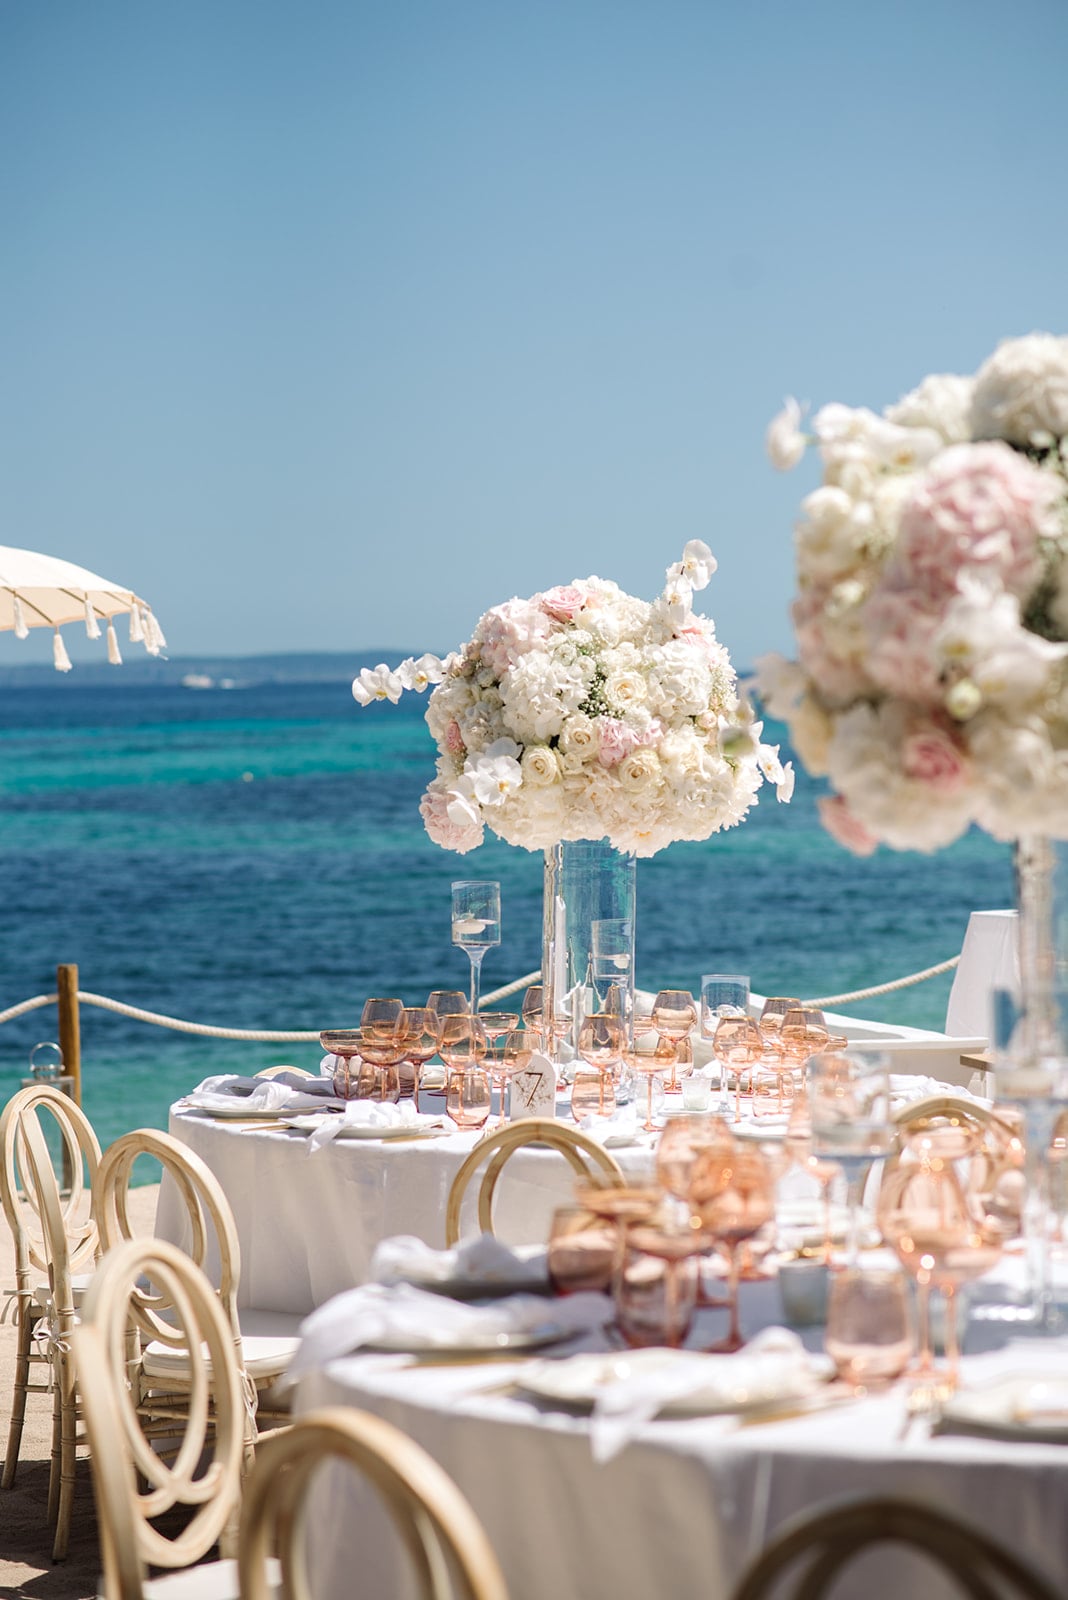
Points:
(952, 1111)
(449, 1550)
(589, 1160)
(203, 1473)
(275, 1072)
(827, 1541)
(56, 1246)
(263, 1346)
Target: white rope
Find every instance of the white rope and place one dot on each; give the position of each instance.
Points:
(307, 1036)
(260, 1035)
(509, 988)
(886, 988)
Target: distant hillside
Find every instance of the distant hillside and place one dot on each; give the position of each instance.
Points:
(299, 667)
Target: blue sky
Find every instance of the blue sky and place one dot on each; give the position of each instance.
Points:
(326, 326)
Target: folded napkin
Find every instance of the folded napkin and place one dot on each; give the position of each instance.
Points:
(285, 1093)
(401, 1315)
(771, 1367)
(907, 1087)
(481, 1262)
(368, 1114)
(621, 1128)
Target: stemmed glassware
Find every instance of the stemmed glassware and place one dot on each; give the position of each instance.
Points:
(650, 1067)
(600, 1044)
(737, 1045)
(655, 1287)
(869, 1326)
(383, 1027)
(422, 1034)
(733, 1196)
(674, 1015)
(774, 1010)
(548, 1029)
(468, 1093)
(443, 1003)
(497, 1026)
(476, 924)
(849, 1106)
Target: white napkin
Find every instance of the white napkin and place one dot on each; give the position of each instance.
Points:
(907, 1087)
(621, 1128)
(284, 1093)
(484, 1260)
(366, 1114)
(773, 1364)
(399, 1312)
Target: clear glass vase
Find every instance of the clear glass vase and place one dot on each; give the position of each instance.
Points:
(588, 935)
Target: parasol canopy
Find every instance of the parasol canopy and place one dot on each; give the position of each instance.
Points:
(39, 591)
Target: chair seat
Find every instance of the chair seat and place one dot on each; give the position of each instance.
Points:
(264, 1358)
(214, 1580)
(257, 1323)
(79, 1282)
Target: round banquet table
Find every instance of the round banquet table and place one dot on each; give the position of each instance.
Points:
(308, 1223)
(688, 1502)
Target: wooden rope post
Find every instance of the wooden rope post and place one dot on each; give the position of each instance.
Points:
(70, 1039)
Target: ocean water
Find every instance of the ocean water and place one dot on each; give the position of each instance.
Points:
(255, 858)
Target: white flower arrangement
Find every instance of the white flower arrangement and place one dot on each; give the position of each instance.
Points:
(932, 607)
(584, 713)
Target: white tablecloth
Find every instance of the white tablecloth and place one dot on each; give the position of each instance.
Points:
(687, 1503)
(308, 1224)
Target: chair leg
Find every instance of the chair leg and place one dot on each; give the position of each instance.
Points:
(68, 1461)
(18, 1402)
(55, 1469)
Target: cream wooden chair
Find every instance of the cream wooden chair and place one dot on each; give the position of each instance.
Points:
(589, 1161)
(56, 1246)
(448, 1547)
(826, 1542)
(264, 1345)
(202, 1473)
(275, 1072)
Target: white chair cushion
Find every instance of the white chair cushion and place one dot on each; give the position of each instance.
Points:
(257, 1323)
(79, 1283)
(264, 1358)
(214, 1580)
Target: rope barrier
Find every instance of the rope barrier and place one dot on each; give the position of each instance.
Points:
(886, 988)
(307, 1036)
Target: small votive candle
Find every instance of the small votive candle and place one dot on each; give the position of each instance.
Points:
(697, 1092)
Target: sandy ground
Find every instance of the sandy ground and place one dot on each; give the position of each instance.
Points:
(26, 1566)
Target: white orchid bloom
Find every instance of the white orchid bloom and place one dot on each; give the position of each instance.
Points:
(378, 683)
(784, 441)
(419, 675)
(697, 565)
(494, 778)
(678, 597)
(462, 809)
(784, 791)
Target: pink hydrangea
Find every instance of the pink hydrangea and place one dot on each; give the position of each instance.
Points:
(900, 626)
(979, 506)
(460, 836)
(615, 740)
(839, 679)
(844, 827)
(508, 631)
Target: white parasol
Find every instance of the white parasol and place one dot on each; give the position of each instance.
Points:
(43, 592)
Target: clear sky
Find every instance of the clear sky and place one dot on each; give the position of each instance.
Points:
(328, 325)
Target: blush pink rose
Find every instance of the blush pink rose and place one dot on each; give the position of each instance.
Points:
(454, 739)
(932, 757)
(844, 827)
(979, 505)
(564, 602)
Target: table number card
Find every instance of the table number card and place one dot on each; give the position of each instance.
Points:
(533, 1091)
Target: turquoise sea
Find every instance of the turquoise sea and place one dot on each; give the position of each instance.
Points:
(255, 858)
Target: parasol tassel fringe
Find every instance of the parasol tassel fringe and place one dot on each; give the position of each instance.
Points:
(114, 654)
(21, 630)
(92, 627)
(137, 629)
(154, 634)
(60, 658)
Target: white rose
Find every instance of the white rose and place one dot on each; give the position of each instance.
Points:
(1022, 391)
(639, 770)
(540, 766)
(625, 689)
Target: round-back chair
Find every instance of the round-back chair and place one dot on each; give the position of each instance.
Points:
(589, 1161)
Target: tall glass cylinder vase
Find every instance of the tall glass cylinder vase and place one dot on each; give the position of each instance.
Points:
(588, 935)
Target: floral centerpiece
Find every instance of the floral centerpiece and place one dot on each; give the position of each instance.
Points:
(932, 608)
(584, 713)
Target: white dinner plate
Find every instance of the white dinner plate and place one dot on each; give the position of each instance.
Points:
(1015, 1407)
(577, 1381)
(506, 1343)
(238, 1112)
(424, 1127)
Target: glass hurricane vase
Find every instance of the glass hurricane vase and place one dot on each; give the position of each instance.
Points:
(588, 935)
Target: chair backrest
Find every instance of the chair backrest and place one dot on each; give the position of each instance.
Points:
(275, 1072)
(212, 1230)
(829, 1540)
(447, 1544)
(949, 1108)
(590, 1161)
(35, 1108)
(204, 1473)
